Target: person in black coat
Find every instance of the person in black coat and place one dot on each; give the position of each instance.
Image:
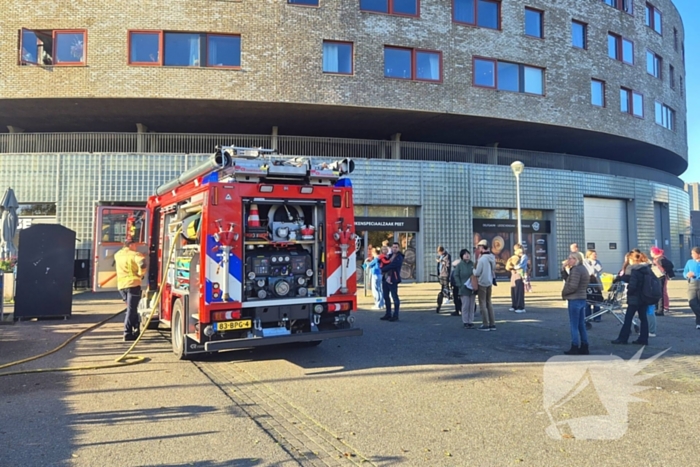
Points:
(391, 274)
(634, 277)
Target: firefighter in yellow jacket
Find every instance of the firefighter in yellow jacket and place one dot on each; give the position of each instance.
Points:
(131, 267)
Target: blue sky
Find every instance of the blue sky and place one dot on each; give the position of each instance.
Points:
(690, 12)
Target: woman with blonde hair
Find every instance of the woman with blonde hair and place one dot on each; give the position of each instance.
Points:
(634, 277)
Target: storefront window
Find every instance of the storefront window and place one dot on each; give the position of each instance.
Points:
(485, 213)
(391, 211)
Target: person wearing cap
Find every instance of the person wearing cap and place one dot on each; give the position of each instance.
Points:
(663, 268)
(485, 273)
(131, 267)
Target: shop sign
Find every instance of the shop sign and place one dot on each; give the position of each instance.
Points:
(404, 224)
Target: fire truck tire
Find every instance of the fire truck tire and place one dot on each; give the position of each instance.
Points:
(177, 330)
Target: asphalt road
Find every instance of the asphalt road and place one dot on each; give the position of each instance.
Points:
(423, 391)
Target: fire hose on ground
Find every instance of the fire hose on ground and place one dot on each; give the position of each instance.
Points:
(123, 360)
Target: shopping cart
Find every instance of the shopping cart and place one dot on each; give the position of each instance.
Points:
(610, 301)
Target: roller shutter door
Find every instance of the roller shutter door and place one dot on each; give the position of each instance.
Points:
(606, 228)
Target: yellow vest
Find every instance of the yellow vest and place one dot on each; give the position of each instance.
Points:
(131, 267)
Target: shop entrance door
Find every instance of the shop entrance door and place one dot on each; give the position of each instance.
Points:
(407, 243)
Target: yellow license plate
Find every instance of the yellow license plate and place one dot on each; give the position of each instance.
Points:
(232, 325)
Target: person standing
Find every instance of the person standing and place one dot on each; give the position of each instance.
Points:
(485, 273)
(374, 266)
(594, 270)
(634, 277)
(692, 273)
(574, 292)
(663, 268)
(455, 289)
(444, 267)
(515, 265)
(463, 275)
(391, 273)
(131, 267)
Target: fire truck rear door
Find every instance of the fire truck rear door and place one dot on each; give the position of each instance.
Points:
(113, 225)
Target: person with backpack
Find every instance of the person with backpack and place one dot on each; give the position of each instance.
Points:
(663, 268)
(643, 289)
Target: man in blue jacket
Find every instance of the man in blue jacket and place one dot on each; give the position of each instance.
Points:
(391, 278)
(692, 273)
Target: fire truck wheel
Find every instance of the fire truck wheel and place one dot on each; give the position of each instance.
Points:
(177, 330)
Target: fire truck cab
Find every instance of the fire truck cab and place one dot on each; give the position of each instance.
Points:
(263, 252)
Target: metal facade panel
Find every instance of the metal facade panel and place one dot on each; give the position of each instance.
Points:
(606, 224)
(445, 193)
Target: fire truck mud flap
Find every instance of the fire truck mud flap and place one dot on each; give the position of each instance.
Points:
(261, 341)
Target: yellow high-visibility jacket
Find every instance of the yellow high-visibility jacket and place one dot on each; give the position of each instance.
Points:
(131, 267)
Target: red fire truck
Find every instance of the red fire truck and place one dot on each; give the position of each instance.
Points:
(263, 251)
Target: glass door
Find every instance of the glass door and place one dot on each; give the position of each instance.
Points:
(407, 244)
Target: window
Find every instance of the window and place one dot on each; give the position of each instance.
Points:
(52, 47)
(303, 2)
(665, 116)
(675, 39)
(652, 17)
(620, 48)
(391, 7)
(671, 76)
(534, 26)
(624, 5)
(654, 63)
(160, 48)
(598, 93)
(680, 84)
(631, 102)
(579, 35)
(508, 76)
(482, 13)
(337, 57)
(413, 64)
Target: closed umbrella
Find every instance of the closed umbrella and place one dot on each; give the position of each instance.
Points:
(8, 224)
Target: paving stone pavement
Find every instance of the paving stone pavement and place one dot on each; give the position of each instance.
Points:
(422, 391)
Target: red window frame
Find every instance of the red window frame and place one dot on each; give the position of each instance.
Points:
(620, 5)
(54, 34)
(161, 48)
(619, 50)
(414, 64)
(291, 2)
(476, 15)
(659, 64)
(630, 93)
(352, 59)
(541, 13)
(604, 104)
(390, 10)
(495, 75)
(585, 34)
(650, 10)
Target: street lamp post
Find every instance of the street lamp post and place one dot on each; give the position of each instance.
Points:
(518, 168)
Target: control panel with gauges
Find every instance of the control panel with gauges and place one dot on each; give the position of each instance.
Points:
(278, 273)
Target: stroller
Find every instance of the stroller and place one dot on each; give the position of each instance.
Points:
(613, 301)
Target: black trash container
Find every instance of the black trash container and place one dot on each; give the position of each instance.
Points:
(45, 265)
